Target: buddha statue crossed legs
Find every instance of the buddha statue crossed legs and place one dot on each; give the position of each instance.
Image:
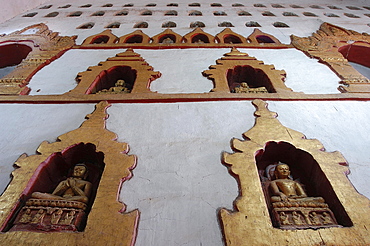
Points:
(285, 189)
(289, 202)
(74, 188)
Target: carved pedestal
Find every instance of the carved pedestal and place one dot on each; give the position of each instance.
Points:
(302, 215)
(50, 215)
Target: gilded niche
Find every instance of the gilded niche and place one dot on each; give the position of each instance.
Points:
(237, 72)
(290, 206)
(71, 185)
(29, 49)
(335, 47)
(61, 192)
(291, 192)
(127, 72)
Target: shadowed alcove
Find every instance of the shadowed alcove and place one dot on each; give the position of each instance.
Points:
(108, 78)
(12, 55)
(252, 76)
(305, 170)
(55, 169)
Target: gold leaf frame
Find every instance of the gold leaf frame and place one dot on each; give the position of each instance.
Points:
(325, 44)
(107, 221)
(46, 47)
(217, 73)
(249, 223)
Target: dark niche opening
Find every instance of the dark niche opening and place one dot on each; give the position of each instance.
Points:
(252, 24)
(134, 39)
(141, 25)
(200, 38)
(197, 24)
(103, 39)
(169, 24)
(107, 80)
(264, 39)
(232, 39)
(225, 24)
(168, 38)
(87, 26)
(255, 78)
(305, 170)
(43, 215)
(11, 55)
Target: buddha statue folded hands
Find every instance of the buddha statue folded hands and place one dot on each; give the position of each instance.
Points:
(74, 188)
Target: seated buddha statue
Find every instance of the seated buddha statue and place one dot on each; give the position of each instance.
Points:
(74, 188)
(285, 189)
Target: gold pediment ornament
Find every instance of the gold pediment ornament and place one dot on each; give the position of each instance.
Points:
(335, 46)
(258, 219)
(107, 220)
(39, 47)
(127, 68)
(169, 39)
(237, 72)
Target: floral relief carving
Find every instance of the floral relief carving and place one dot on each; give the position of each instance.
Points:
(45, 46)
(335, 46)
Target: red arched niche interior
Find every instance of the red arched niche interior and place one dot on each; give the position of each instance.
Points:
(134, 39)
(108, 78)
(232, 39)
(304, 168)
(254, 77)
(58, 167)
(264, 39)
(200, 38)
(13, 54)
(356, 53)
(170, 36)
(103, 39)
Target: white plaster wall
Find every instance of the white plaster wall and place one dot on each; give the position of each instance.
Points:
(9, 9)
(57, 78)
(25, 126)
(182, 70)
(300, 26)
(179, 182)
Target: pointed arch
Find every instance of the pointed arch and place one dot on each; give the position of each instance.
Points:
(135, 37)
(198, 35)
(261, 37)
(236, 69)
(168, 33)
(227, 36)
(127, 66)
(105, 37)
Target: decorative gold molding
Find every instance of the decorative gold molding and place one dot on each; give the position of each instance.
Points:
(257, 37)
(88, 81)
(198, 36)
(46, 46)
(273, 80)
(105, 37)
(168, 33)
(107, 221)
(325, 45)
(145, 39)
(225, 38)
(250, 224)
